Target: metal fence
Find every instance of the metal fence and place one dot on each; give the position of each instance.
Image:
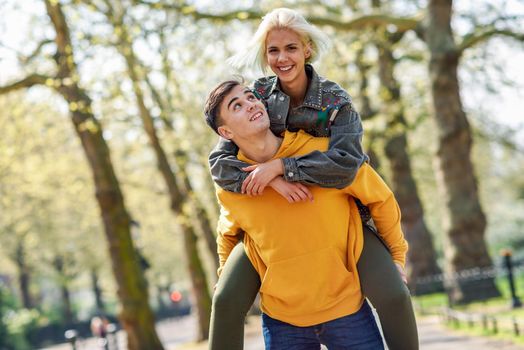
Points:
(490, 321)
(473, 278)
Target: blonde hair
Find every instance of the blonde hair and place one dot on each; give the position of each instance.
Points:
(254, 54)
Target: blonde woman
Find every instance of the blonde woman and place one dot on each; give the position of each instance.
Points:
(298, 98)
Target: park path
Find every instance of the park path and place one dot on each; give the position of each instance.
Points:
(432, 333)
(176, 334)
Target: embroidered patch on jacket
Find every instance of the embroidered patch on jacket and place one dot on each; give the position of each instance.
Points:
(260, 91)
(322, 117)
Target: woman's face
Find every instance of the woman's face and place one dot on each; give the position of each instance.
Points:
(286, 54)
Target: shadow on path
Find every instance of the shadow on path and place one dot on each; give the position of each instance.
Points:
(177, 334)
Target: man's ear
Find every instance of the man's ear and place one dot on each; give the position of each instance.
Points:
(225, 132)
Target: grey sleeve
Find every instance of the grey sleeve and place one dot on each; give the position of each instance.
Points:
(225, 167)
(338, 166)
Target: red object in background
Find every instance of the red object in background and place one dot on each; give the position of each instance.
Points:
(176, 296)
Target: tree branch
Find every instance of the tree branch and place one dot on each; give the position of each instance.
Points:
(36, 51)
(403, 24)
(480, 36)
(27, 82)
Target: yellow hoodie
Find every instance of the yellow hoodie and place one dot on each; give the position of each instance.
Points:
(306, 253)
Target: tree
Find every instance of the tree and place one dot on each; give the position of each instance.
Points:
(464, 221)
(179, 195)
(422, 257)
(136, 316)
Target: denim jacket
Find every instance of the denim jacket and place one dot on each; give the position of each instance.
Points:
(327, 111)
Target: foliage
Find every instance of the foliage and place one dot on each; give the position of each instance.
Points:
(47, 202)
(4, 335)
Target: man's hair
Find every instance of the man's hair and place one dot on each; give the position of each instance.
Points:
(215, 99)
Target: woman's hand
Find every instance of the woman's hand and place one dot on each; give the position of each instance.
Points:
(292, 191)
(260, 176)
(402, 272)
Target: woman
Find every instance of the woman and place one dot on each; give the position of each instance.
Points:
(297, 98)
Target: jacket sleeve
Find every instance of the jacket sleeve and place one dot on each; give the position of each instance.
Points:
(229, 234)
(225, 167)
(373, 192)
(337, 167)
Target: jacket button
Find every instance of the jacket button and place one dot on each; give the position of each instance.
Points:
(281, 98)
(290, 174)
(279, 116)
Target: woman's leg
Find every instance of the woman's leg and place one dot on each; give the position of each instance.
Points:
(382, 285)
(236, 290)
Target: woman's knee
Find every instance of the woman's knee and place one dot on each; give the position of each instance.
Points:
(395, 297)
(223, 299)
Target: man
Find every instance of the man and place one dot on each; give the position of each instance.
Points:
(305, 253)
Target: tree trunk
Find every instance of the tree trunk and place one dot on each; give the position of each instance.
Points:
(67, 310)
(178, 196)
(161, 292)
(136, 315)
(24, 275)
(199, 282)
(464, 221)
(97, 292)
(422, 258)
(4, 334)
(198, 212)
(202, 217)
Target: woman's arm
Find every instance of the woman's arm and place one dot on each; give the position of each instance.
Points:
(225, 167)
(373, 192)
(336, 167)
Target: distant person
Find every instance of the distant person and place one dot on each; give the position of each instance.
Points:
(297, 98)
(99, 327)
(305, 253)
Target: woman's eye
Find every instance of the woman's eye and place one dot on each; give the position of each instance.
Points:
(251, 97)
(236, 107)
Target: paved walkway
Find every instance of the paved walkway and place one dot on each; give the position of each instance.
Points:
(177, 334)
(433, 336)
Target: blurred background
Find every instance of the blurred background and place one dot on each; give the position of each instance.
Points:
(106, 205)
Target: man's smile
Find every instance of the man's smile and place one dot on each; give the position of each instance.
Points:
(255, 116)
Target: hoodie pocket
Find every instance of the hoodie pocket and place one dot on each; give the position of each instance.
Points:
(306, 284)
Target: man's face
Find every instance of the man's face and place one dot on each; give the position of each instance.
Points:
(243, 114)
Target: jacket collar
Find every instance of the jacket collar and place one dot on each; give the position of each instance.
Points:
(313, 96)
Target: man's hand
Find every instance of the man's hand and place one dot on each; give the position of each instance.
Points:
(260, 176)
(292, 191)
(402, 272)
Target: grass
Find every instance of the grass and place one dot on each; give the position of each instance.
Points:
(499, 307)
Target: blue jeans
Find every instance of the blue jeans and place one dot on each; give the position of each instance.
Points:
(357, 331)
